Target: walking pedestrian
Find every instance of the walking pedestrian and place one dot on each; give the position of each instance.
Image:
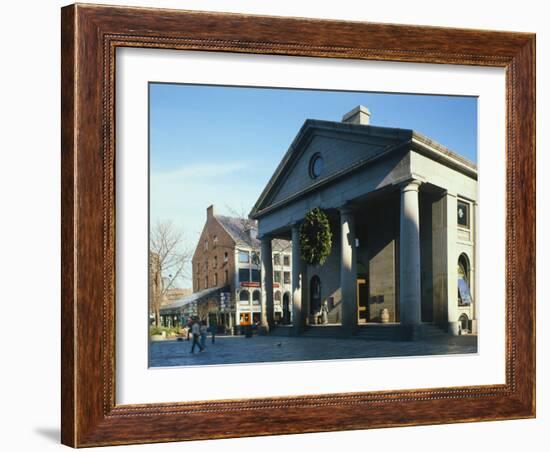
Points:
(196, 332)
(213, 328)
(324, 313)
(189, 326)
(203, 332)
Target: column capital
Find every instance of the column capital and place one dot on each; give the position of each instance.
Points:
(265, 237)
(410, 185)
(346, 209)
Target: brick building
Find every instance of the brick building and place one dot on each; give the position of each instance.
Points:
(226, 269)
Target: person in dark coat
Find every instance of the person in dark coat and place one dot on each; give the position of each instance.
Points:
(213, 328)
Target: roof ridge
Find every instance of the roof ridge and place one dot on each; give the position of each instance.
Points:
(233, 218)
(237, 230)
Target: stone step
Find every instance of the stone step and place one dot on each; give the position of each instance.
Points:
(379, 333)
(324, 331)
(281, 331)
(395, 332)
(382, 332)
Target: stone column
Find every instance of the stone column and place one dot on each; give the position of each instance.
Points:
(298, 316)
(348, 270)
(267, 284)
(409, 257)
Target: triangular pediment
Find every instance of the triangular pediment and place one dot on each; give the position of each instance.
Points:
(323, 151)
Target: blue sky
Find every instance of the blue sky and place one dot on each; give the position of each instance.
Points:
(220, 145)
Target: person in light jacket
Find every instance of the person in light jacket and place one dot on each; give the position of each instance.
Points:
(324, 313)
(203, 332)
(196, 332)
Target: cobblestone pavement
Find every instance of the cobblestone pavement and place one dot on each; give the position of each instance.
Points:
(238, 349)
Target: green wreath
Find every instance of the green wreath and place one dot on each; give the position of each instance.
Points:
(315, 237)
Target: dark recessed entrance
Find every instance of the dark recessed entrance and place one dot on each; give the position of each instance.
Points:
(315, 295)
(362, 301)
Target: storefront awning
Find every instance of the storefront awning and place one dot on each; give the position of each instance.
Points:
(206, 294)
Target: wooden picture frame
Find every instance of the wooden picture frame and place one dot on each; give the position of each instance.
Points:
(90, 36)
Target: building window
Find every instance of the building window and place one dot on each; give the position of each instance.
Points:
(244, 296)
(256, 297)
(316, 166)
(277, 297)
(255, 258)
(463, 214)
(215, 279)
(255, 275)
(215, 264)
(286, 277)
(215, 240)
(244, 257)
(277, 259)
(286, 260)
(244, 275)
(226, 277)
(225, 257)
(463, 322)
(206, 282)
(464, 294)
(206, 245)
(277, 277)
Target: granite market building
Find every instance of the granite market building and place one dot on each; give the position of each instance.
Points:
(226, 269)
(402, 210)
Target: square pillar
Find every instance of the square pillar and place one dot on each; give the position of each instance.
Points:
(348, 269)
(445, 262)
(267, 284)
(451, 235)
(473, 283)
(409, 257)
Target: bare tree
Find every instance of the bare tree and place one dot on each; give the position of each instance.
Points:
(169, 259)
(247, 223)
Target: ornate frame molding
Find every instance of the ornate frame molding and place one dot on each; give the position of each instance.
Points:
(90, 37)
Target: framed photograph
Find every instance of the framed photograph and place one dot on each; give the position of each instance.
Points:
(282, 225)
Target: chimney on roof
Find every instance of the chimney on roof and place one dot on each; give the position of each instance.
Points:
(359, 115)
(210, 212)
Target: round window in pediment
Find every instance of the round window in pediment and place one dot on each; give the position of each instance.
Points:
(316, 166)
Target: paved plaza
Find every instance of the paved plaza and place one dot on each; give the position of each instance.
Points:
(238, 349)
